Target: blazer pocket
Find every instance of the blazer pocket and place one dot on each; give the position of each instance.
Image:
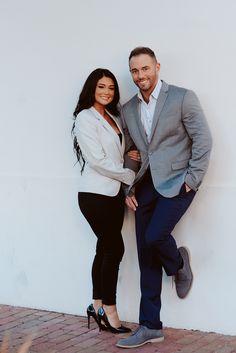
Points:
(180, 164)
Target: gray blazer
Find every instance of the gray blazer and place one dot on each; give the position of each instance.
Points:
(180, 143)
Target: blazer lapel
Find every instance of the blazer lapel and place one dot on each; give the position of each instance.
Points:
(159, 105)
(108, 127)
(121, 145)
(136, 112)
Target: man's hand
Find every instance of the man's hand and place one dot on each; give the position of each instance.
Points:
(131, 202)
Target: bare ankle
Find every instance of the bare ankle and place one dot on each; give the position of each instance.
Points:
(110, 309)
(97, 304)
(112, 315)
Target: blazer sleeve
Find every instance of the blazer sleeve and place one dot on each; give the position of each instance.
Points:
(129, 146)
(86, 132)
(197, 128)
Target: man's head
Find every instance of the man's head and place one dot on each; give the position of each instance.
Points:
(144, 69)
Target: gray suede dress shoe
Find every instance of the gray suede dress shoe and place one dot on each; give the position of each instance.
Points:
(184, 277)
(140, 337)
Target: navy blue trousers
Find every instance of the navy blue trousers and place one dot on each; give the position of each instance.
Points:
(156, 217)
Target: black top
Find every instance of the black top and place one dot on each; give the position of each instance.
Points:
(120, 137)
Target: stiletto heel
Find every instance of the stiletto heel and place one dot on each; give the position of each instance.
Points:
(103, 317)
(88, 320)
(91, 312)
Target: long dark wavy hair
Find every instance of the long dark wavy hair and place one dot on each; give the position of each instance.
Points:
(87, 99)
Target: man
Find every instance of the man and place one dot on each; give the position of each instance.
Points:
(167, 125)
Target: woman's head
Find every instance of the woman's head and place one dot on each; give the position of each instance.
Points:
(88, 96)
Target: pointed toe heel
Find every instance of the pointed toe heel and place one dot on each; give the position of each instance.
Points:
(102, 317)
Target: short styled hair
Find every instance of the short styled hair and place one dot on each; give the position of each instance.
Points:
(142, 50)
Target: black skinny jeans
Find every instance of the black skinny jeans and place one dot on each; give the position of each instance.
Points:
(105, 215)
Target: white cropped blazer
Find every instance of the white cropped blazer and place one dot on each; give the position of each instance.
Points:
(103, 154)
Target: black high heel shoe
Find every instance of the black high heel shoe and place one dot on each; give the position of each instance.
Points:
(103, 317)
(91, 312)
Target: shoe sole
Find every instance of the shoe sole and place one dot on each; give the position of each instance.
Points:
(153, 340)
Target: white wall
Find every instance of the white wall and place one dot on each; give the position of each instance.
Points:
(48, 47)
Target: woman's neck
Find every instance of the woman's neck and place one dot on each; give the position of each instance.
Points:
(100, 109)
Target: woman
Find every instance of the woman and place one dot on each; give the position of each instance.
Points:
(99, 145)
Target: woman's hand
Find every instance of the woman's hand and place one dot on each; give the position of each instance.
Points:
(134, 155)
(131, 202)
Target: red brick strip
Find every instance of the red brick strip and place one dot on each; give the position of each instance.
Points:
(57, 332)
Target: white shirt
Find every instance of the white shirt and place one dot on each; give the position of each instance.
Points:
(147, 109)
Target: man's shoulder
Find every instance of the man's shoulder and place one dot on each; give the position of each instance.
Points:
(177, 89)
(133, 100)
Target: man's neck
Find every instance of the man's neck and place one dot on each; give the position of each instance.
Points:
(146, 95)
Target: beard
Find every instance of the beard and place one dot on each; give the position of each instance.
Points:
(143, 86)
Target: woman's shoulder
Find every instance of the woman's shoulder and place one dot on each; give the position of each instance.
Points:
(85, 117)
(85, 113)
(85, 121)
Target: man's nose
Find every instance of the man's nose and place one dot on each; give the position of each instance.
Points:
(140, 74)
